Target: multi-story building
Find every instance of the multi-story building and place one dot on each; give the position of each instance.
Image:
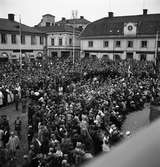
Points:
(20, 41)
(123, 37)
(62, 41)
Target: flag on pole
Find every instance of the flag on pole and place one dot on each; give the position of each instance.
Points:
(156, 59)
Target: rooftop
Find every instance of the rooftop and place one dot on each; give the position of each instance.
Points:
(13, 26)
(147, 24)
(80, 20)
(57, 28)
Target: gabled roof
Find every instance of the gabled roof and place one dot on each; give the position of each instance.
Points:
(48, 15)
(13, 26)
(57, 28)
(73, 21)
(108, 26)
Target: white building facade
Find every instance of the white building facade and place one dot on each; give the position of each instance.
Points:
(63, 44)
(126, 37)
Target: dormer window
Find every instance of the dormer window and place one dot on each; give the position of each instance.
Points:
(48, 24)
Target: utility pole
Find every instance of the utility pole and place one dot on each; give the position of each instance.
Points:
(156, 49)
(156, 58)
(74, 16)
(20, 48)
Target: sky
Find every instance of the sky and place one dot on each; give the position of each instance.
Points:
(31, 11)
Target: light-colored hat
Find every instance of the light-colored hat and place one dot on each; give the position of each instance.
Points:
(25, 156)
(128, 133)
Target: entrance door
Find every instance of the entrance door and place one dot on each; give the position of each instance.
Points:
(54, 55)
(143, 57)
(65, 54)
(129, 56)
(117, 57)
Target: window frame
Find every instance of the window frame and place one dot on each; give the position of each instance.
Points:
(142, 44)
(158, 44)
(3, 40)
(41, 40)
(70, 41)
(116, 44)
(52, 42)
(132, 44)
(23, 39)
(104, 44)
(90, 44)
(33, 40)
(13, 38)
(60, 42)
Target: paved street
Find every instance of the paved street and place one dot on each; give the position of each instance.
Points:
(12, 114)
(137, 120)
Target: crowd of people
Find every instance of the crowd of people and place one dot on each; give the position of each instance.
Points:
(76, 110)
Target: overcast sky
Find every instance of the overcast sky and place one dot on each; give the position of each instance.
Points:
(31, 11)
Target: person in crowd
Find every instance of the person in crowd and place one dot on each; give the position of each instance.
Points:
(13, 145)
(76, 111)
(18, 126)
(16, 98)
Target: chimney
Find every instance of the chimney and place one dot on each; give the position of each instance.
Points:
(81, 17)
(63, 19)
(11, 17)
(110, 14)
(145, 11)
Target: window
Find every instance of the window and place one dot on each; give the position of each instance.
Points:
(60, 41)
(13, 38)
(144, 44)
(118, 44)
(41, 40)
(33, 40)
(90, 43)
(48, 24)
(158, 44)
(130, 44)
(3, 38)
(22, 39)
(106, 44)
(52, 41)
(70, 41)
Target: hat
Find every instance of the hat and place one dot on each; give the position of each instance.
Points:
(128, 133)
(25, 156)
(78, 144)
